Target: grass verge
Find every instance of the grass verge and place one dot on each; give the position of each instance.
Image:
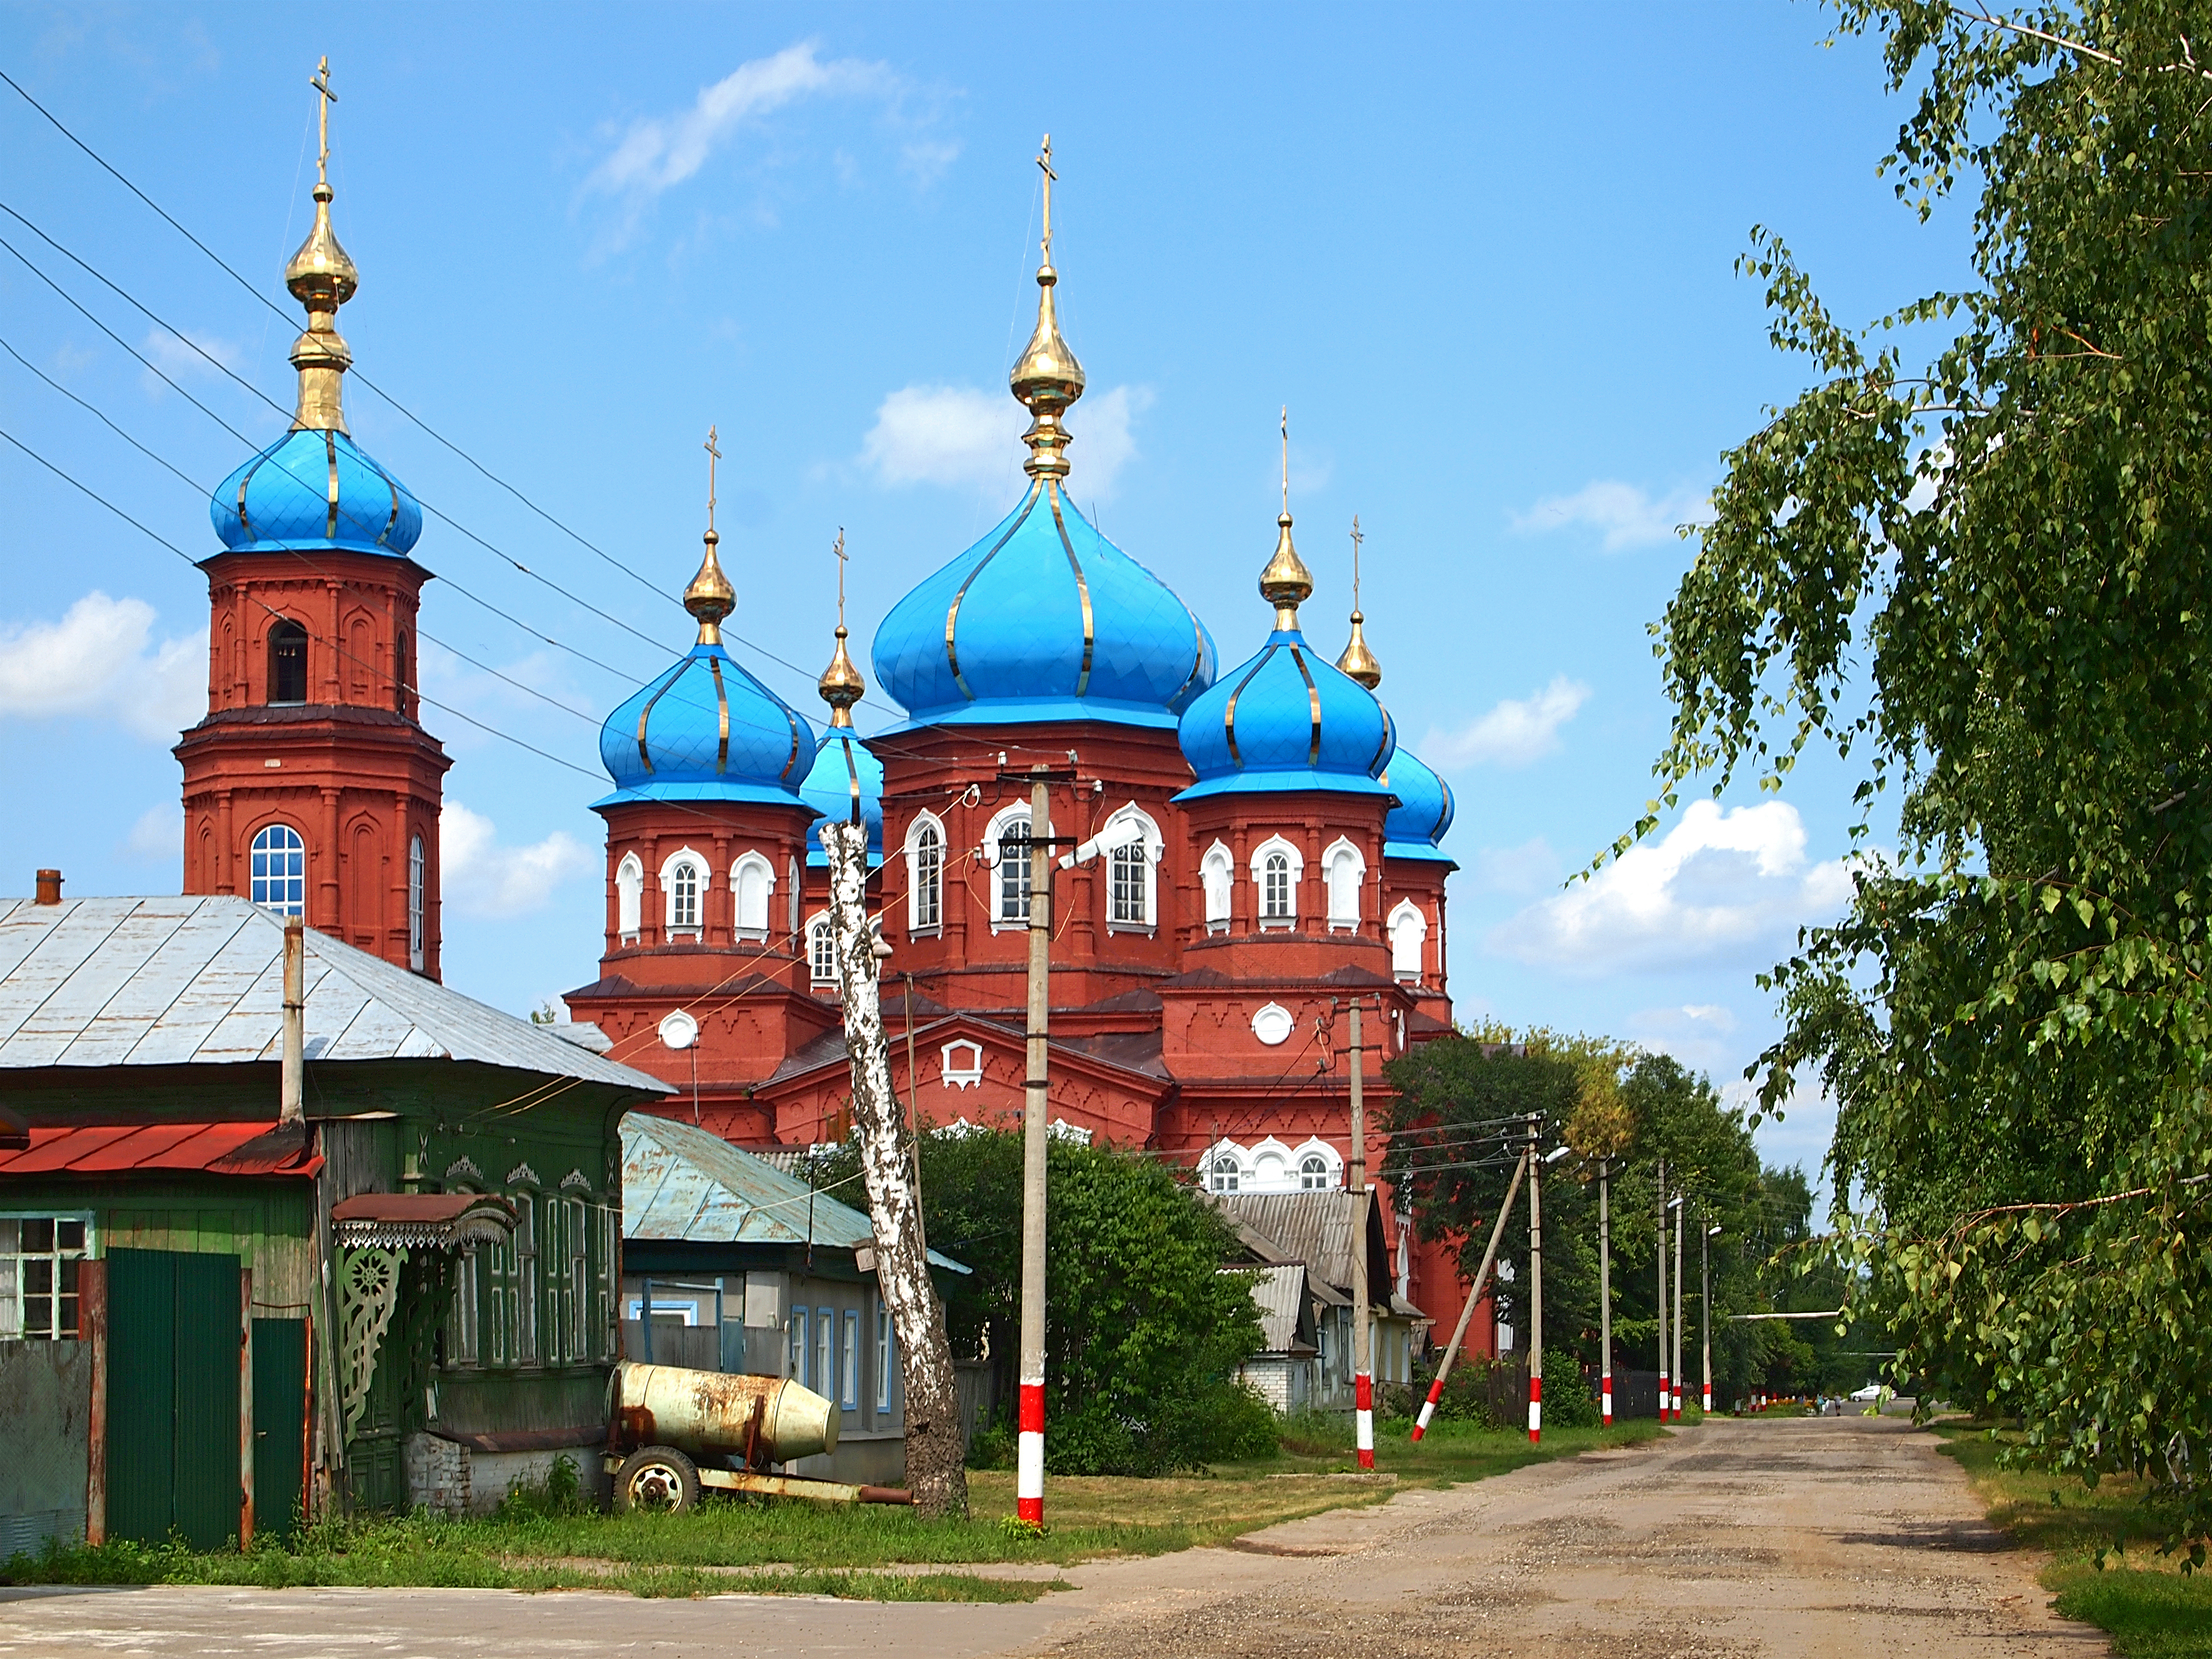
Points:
(2151, 1607)
(864, 1552)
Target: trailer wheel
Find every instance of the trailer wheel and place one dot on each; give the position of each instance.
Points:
(657, 1477)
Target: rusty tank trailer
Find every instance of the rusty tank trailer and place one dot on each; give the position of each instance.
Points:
(675, 1430)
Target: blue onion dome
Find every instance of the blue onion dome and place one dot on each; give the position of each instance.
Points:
(705, 729)
(314, 487)
(1424, 810)
(1043, 619)
(1287, 718)
(848, 778)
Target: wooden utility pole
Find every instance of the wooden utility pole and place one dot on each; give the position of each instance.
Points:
(1363, 1376)
(1604, 1298)
(1029, 1476)
(1661, 1254)
(936, 1469)
(1535, 1292)
(1473, 1296)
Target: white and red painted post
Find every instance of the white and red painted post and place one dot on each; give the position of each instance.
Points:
(1705, 1309)
(1661, 1254)
(1029, 1458)
(1681, 1214)
(1604, 1298)
(1473, 1296)
(1535, 1293)
(1363, 1368)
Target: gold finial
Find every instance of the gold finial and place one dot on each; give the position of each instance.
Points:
(710, 598)
(1046, 378)
(1286, 583)
(840, 684)
(1357, 660)
(322, 278)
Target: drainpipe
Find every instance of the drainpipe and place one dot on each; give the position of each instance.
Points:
(293, 1106)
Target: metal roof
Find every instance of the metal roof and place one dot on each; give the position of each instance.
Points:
(1281, 1295)
(251, 1148)
(200, 981)
(682, 1183)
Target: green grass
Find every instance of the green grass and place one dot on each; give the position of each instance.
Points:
(870, 1552)
(2152, 1609)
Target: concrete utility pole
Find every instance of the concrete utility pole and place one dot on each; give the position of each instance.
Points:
(1535, 1293)
(1028, 1477)
(1680, 1215)
(1662, 1293)
(1604, 1298)
(1363, 1373)
(1473, 1296)
(1705, 1309)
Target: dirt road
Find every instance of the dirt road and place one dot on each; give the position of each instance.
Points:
(1813, 1539)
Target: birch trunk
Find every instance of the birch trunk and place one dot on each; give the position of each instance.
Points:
(936, 1471)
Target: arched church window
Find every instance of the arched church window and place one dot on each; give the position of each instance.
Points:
(684, 898)
(1313, 1173)
(277, 871)
(1225, 1174)
(1014, 870)
(415, 873)
(1409, 930)
(756, 880)
(1219, 872)
(1128, 883)
(821, 952)
(1347, 871)
(1275, 889)
(287, 662)
(927, 911)
(630, 897)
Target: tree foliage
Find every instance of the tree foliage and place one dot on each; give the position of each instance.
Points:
(1449, 1161)
(1145, 1333)
(2008, 542)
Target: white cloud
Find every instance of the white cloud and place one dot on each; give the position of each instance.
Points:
(963, 436)
(480, 877)
(158, 834)
(1517, 731)
(1724, 882)
(1625, 515)
(1695, 1033)
(1528, 868)
(100, 660)
(660, 153)
(176, 356)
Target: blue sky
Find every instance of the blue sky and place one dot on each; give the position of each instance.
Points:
(1485, 254)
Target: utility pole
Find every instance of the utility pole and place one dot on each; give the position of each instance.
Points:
(1705, 1309)
(1535, 1293)
(1473, 1296)
(1604, 1298)
(1680, 1217)
(1363, 1376)
(1029, 1478)
(1662, 1290)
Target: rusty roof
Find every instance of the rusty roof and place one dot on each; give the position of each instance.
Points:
(200, 981)
(124, 1149)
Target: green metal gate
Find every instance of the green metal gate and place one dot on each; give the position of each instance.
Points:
(173, 1403)
(280, 1419)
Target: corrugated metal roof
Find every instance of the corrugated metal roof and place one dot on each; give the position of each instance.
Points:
(684, 1183)
(200, 981)
(120, 1149)
(1281, 1295)
(1315, 1227)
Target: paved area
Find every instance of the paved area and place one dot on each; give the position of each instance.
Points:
(1801, 1540)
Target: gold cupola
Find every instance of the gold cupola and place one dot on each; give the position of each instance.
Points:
(1358, 661)
(840, 684)
(322, 278)
(1286, 583)
(710, 598)
(1046, 378)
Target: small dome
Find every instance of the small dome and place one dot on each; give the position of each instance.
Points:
(706, 729)
(1289, 719)
(1043, 619)
(1424, 810)
(315, 488)
(844, 771)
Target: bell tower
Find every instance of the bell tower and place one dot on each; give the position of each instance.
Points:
(311, 788)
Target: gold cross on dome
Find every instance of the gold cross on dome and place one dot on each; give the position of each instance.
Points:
(712, 456)
(842, 558)
(321, 83)
(1286, 457)
(1356, 540)
(1044, 162)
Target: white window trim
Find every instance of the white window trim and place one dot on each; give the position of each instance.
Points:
(820, 919)
(752, 859)
(964, 1076)
(991, 831)
(1128, 822)
(1260, 853)
(1337, 849)
(418, 877)
(1219, 859)
(630, 897)
(915, 927)
(705, 865)
(1401, 913)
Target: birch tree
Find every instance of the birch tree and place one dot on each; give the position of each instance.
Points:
(936, 1469)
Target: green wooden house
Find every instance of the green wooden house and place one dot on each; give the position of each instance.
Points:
(211, 1318)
